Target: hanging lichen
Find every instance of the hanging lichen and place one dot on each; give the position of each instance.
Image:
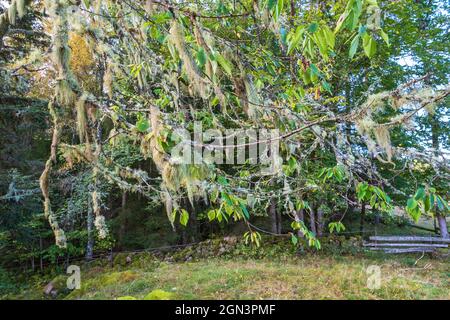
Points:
(67, 85)
(20, 4)
(99, 222)
(12, 10)
(64, 96)
(45, 178)
(82, 118)
(108, 81)
(383, 139)
(196, 81)
(206, 43)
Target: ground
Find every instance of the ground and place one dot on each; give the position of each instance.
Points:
(259, 276)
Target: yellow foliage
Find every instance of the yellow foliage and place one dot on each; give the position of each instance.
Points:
(82, 62)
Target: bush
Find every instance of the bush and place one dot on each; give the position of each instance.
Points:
(6, 282)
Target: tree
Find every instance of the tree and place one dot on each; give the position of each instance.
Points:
(320, 75)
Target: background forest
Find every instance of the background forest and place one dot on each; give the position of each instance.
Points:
(93, 92)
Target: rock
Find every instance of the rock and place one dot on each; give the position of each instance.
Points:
(49, 288)
(54, 293)
(230, 240)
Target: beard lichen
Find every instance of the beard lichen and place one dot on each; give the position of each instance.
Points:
(12, 11)
(20, 8)
(383, 139)
(44, 180)
(82, 122)
(196, 81)
(64, 97)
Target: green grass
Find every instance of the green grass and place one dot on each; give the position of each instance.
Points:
(307, 277)
(238, 271)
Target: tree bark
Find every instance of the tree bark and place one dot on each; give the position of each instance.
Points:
(90, 233)
(194, 224)
(312, 219)
(435, 142)
(363, 215)
(319, 222)
(123, 212)
(273, 216)
(442, 226)
(278, 221)
(41, 262)
(299, 217)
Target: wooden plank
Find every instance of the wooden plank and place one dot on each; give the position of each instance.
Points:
(403, 250)
(426, 245)
(409, 239)
(409, 250)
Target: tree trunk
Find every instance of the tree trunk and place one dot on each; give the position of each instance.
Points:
(436, 229)
(90, 233)
(442, 225)
(435, 142)
(273, 216)
(194, 224)
(363, 215)
(278, 221)
(377, 217)
(312, 219)
(41, 261)
(122, 228)
(299, 217)
(319, 222)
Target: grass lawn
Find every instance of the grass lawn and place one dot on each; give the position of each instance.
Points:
(307, 277)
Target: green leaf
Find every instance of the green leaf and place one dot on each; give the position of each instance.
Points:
(225, 64)
(442, 205)
(432, 200)
(201, 57)
(278, 9)
(245, 211)
(211, 215)
(370, 46)
(362, 29)
(419, 194)
(445, 203)
(330, 37)
(373, 200)
(313, 27)
(427, 203)
(314, 70)
(294, 239)
(222, 180)
(411, 204)
(354, 46)
(385, 37)
(271, 4)
(214, 195)
(340, 22)
(184, 217)
(326, 86)
(295, 39)
(142, 125)
(415, 214)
